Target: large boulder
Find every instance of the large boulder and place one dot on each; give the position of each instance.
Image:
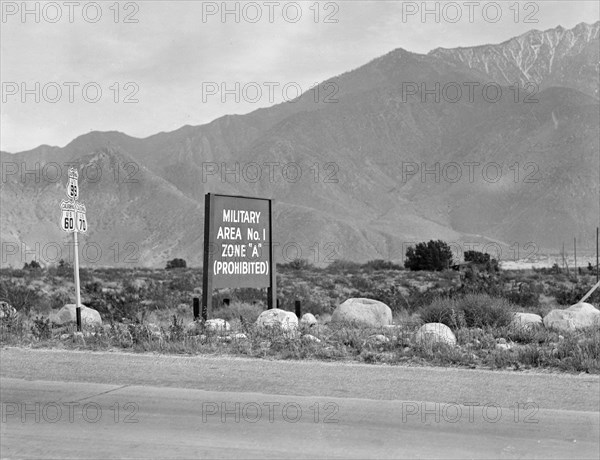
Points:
(435, 333)
(526, 320)
(578, 316)
(363, 313)
(287, 320)
(68, 314)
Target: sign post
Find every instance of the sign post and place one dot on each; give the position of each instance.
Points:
(238, 246)
(73, 220)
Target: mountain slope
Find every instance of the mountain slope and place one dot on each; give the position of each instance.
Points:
(360, 176)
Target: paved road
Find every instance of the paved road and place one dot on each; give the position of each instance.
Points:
(58, 404)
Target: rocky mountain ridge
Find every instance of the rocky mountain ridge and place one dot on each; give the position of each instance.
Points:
(359, 178)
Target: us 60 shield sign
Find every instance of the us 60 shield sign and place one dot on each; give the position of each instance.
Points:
(68, 216)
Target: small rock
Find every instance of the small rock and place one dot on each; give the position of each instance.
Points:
(503, 346)
(78, 337)
(154, 331)
(308, 320)
(311, 338)
(7, 311)
(501, 340)
(240, 336)
(379, 338)
(526, 320)
(65, 336)
(193, 327)
(139, 284)
(435, 333)
(217, 324)
(287, 320)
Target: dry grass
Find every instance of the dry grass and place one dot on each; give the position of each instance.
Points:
(136, 303)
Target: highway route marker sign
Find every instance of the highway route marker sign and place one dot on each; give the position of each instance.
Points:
(73, 220)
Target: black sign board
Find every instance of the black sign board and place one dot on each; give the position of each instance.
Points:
(238, 246)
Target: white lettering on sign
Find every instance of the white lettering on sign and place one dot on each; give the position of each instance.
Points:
(241, 217)
(233, 250)
(73, 218)
(240, 268)
(229, 233)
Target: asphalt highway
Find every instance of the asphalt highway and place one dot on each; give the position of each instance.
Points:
(61, 404)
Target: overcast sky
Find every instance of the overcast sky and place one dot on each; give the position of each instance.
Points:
(175, 49)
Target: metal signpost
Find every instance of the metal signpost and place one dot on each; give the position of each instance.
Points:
(73, 220)
(238, 246)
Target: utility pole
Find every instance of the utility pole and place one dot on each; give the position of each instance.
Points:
(575, 252)
(597, 265)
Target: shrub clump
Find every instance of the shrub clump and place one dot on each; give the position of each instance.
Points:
(470, 310)
(176, 263)
(433, 255)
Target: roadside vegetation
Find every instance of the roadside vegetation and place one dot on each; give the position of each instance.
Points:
(150, 309)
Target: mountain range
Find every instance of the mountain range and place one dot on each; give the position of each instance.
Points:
(493, 145)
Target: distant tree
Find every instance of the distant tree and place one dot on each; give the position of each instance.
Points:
(434, 256)
(590, 268)
(33, 265)
(492, 266)
(555, 269)
(477, 257)
(299, 264)
(483, 259)
(176, 263)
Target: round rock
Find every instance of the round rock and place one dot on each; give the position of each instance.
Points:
(68, 314)
(287, 320)
(526, 320)
(435, 333)
(308, 320)
(574, 318)
(362, 312)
